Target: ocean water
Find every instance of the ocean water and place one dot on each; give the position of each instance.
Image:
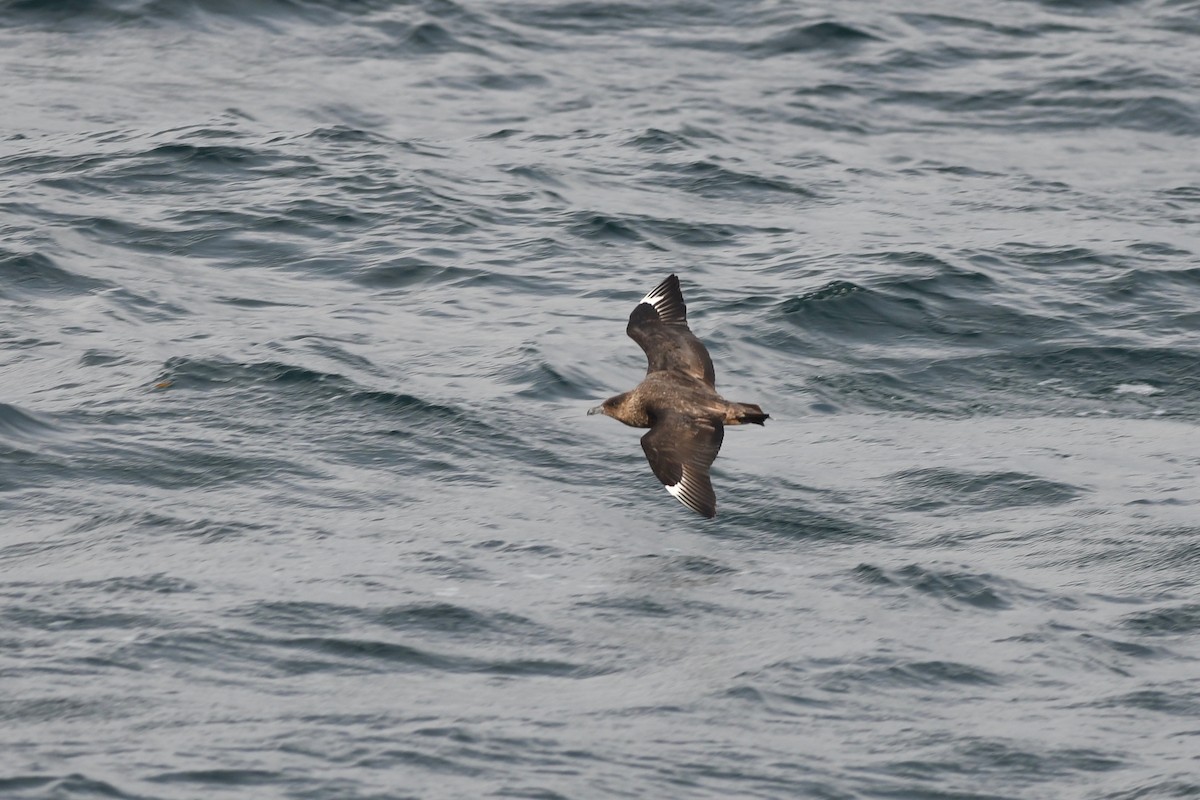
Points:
(303, 304)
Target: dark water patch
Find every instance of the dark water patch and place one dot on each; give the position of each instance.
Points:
(299, 616)
(821, 36)
(1084, 7)
(1033, 378)
(1141, 287)
(158, 169)
(348, 135)
(1178, 701)
(100, 358)
(374, 655)
(979, 756)
(218, 158)
(714, 180)
(543, 382)
(18, 425)
(185, 464)
(1184, 195)
(830, 291)
(698, 565)
(220, 777)
(38, 547)
(657, 232)
(313, 219)
(935, 488)
(793, 522)
(77, 619)
(949, 22)
(197, 374)
(249, 656)
(253, 303)
(1165, 252)
(405, 38)
(1162, 790)
(957, 588)
(1051, 256)
(406, 271)
(1131, 649)
(459, 569)
(155, 240)
(542, 176)
(598, 227)
(536, 378)
(205, 529)
(76, 15)
(930, 167)
(29, 465)
(1115, 81)
(22, 782)
(398, 758)
(1165, 621)
(157, 583)
(502, 134)
(64, 788)
(776, 703)
(58, 168)
(533, 793)
(618, 607)
(944, 54)
(450, 618)
(143, 308)
(655, 140)
(687, 570)
(33, 711)
(597, 17)
(623, 607)
(543, 668)
(1097, 371)
(502, 546)
(332, 349)
(399, 402)
(953, 307)
(34, 274)
(438, 618)
(495, 82)
(916, 674)
(1161, 551)
(69, 15)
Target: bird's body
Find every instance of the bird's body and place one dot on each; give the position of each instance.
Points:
(677, 400)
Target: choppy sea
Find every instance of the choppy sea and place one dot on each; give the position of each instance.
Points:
(303, 304)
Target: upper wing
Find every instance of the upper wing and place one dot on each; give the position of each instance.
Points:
(659, 326)
(680, 450)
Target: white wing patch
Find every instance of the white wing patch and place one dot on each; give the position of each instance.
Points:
(668, 302)
(658, 293)
(687, 492)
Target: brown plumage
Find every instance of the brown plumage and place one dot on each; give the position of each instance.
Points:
(677, 400)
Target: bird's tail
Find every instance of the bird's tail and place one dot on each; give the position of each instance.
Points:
(744, 414)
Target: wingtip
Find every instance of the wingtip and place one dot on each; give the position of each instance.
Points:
(667, 300)
(692, 496)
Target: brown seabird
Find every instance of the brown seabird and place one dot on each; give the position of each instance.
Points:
(677, 400)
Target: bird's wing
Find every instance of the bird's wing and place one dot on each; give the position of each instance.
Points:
(659, 326)
(680, 450)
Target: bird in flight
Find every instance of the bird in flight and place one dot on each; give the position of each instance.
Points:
(677, 400)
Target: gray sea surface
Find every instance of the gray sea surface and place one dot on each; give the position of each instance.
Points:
(303, 304)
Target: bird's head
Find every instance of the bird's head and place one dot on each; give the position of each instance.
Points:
(610, 407)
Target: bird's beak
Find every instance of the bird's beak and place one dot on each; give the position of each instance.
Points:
(596, 410)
